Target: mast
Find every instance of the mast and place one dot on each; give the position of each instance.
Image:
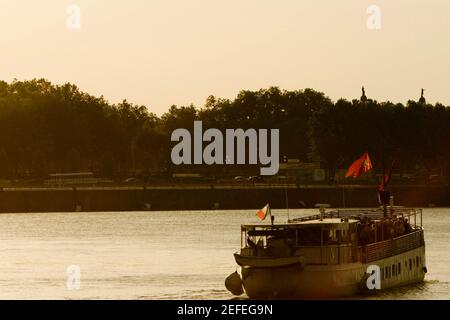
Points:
(287, 200)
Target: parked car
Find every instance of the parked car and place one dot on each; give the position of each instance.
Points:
(255, 179)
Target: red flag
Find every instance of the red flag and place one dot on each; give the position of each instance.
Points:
(360, 166)
(386, 178)
(263, 212)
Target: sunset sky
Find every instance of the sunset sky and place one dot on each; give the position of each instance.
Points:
(164, 52)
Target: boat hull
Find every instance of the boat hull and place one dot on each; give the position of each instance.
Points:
(331, 281)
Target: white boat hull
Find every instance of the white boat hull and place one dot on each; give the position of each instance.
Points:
(328, 281)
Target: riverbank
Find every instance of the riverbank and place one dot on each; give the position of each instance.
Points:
(206, 197)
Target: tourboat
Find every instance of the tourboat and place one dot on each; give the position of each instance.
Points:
(336, 253)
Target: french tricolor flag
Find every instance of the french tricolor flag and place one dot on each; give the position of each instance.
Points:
(262, 214)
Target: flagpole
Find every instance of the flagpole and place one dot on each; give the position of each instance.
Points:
(271, 217)
(287, 200)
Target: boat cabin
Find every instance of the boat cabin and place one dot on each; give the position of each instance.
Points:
(341, 236)
(310, 233)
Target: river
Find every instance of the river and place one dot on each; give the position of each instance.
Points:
(158, 255)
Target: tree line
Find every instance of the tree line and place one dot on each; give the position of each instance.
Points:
(47, 128)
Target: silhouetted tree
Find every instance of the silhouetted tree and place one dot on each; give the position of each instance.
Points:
(47, 128)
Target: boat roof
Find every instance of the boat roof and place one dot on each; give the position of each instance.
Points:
(324, 221)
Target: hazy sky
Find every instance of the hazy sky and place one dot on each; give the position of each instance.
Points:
(164, 52)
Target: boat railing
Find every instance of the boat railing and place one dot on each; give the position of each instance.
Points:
(384, 249)
(414, 215)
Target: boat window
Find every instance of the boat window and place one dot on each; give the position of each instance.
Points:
(311, 236)
(410, 264)
(345, 236)
(352, 232)
(399, 267)
(386, 272)
(261, 242)
(332, 234)
(417, 261)
(393, 270)
(382, 273)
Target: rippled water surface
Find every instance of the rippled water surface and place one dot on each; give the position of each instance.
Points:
(159, 255)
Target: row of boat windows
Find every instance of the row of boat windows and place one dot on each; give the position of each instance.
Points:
(396, 269)
(323, 236)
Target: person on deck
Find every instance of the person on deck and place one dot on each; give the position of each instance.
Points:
(388, 229)
(408, 228)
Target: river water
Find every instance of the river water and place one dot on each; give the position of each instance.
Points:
(158, 255)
